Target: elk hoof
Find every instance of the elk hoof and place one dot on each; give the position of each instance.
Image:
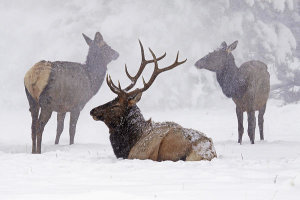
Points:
(33, 151)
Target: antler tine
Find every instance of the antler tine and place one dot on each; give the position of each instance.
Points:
(144, 62)
(151, 80)
(143, 55)
(119, 85)
(112, 86)
(127, 73)
(134, 79)
(156, 72)
(144, 82)
(142, 51)
(175, 64)
(112, 83)
(154, 59)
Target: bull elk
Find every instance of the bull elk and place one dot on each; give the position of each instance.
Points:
(65, 87)
(133, 137)
(248, 86)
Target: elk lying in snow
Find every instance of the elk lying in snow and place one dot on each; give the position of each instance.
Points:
(65, 87)
(133, 137)
(248, 86)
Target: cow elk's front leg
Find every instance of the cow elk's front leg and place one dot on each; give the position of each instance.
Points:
(43, 119)
(60, 126)
(261, 121)
(251, 125)
(239, 114)
(73, 121)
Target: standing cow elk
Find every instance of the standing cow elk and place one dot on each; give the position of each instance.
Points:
(65, 87)
(248, 86)
(133, 137)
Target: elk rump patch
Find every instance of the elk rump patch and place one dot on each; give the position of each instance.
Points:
(37, 77)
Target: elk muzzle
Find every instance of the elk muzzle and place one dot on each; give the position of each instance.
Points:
(200, 64)
(96, 115)
(115, 55)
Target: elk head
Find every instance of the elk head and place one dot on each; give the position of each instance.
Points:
(98, 47)
(216, 60)
(113, 112)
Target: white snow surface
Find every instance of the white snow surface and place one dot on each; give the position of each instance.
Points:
(269, 169)
(31, 31)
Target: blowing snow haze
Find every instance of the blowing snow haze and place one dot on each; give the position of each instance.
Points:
(51, 30)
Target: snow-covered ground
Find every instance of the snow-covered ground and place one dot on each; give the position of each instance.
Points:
(33, 30)
(89, 169)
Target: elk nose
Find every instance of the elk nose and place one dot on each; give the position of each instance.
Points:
(92, 112)
(116, 55)
(96, 116)
(197, 64)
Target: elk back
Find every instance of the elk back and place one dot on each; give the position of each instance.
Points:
(170, 141)
(258, 86)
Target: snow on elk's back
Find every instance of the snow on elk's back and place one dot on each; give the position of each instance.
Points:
(205, 148)
(170, 141)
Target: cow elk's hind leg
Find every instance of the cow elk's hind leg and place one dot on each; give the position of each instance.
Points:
(239, 114)
(60, 126)
(73, 121)
(261, 121)
(43, 119)
(34, 110)
(34, 114)
(251, 125)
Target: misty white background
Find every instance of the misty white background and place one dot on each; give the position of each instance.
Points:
(51, 30)
(31, 31)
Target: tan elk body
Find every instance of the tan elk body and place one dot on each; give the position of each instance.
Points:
(133, 137)
(170, 141)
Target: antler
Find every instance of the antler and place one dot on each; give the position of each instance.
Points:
(144, 62)
(112, 86)
(156, 72)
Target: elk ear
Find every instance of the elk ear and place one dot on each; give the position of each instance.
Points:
(98, 37)
(87, 39)
(232, 47)
(135, 99)
(223, 45)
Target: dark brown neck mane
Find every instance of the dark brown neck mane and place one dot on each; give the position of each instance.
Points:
(124, 136)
